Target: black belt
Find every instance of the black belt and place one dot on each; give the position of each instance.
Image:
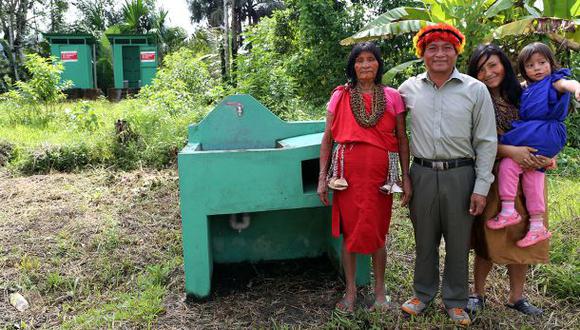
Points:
(442, 165)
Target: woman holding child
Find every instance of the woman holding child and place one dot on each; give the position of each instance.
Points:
(501, 234)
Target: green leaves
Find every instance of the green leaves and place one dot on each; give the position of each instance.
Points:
(386, 31)
(497, 7)
(389, 75)
(398, 14)
(394, 22)
(561, 8)
(183, 82)
(542, 25)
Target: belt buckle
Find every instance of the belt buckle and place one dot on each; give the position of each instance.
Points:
(439, 165)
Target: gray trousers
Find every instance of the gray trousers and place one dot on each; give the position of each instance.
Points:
(440, 207)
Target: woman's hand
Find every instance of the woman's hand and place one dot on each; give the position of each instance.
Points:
(407, 190)
(524, 157)
(543, 162)
(322, 189)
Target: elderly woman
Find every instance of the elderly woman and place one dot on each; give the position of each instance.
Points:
(489, 64)
(366, 120)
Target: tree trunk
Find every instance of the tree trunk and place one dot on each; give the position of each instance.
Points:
(236, 35)
(226, 67)
(14, 25)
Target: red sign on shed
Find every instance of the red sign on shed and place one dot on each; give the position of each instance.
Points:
(147, 56)
(69, 56)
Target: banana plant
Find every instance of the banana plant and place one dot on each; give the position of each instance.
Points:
(479, 20)
(473, 18)
(559, 20)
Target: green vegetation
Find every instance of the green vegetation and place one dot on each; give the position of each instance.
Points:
(97, 243)
(102, 249)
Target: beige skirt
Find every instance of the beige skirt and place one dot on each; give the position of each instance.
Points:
(499, 246)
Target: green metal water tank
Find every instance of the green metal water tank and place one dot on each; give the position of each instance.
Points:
(135, 59)
(247, 185)
(77, 54)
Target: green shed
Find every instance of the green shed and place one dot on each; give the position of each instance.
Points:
(77, 53)
(135, 59)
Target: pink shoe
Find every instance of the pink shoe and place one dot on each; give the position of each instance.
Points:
(534, 237)
(502, 221)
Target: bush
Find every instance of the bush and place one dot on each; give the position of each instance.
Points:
(34, 101)
(6, 152)
(182, 84)
(63, 158)
(82, 117)
(263, 73)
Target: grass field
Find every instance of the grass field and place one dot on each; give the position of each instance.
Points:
(102, 249)
(83, 134)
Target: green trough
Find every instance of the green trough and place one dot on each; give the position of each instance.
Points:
(247, 185)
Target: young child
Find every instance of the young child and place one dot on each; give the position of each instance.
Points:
(543, 108)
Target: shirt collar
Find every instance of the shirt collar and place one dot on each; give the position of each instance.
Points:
(455, 74)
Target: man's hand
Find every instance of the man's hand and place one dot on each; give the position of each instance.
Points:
(477, 204)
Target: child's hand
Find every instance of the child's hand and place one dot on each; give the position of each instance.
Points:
(552, 165)
(577, 93)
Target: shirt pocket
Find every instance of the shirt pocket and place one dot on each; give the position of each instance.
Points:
(458, 120)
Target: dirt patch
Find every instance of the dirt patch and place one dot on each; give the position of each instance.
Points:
(73, 243)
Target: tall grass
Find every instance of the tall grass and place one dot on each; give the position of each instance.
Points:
(82, 134)
(561, 277)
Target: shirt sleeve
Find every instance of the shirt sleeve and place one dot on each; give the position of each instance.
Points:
(404, 92)
(396, 100)
(484, 141)
(333, 102)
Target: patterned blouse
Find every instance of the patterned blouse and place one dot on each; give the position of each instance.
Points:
(505, 113)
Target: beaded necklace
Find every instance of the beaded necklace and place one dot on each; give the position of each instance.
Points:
(357, 106)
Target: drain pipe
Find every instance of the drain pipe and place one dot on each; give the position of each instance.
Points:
(238, 223)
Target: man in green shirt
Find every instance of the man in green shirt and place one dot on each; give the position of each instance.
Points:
(453, 142)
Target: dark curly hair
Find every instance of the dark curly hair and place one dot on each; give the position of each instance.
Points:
(355, 52)
(510, 87)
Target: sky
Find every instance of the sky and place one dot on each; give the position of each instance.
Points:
(178, 13)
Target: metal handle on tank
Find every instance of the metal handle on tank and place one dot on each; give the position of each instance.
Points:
(239, 107)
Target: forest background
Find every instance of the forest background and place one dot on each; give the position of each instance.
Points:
(285, 53)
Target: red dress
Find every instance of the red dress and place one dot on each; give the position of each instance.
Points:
(361, 212)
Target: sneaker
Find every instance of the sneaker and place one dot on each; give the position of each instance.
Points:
(459, 316)
(523, 306)
(502, 221)
(475, 304)
(413, 306)
(534, 237)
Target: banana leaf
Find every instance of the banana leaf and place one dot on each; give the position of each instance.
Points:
(385, 31)
(560, 8)
(399, 14)
(391, 73)
(532, 10)
(396, 21)
(497, 7)
(541, 25)
(575, 10)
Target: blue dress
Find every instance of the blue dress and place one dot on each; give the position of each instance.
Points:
(542, 113)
